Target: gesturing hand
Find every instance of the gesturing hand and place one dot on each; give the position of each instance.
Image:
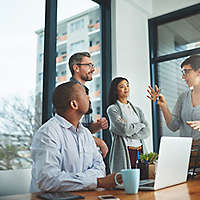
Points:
(155, 95)
(194, 124)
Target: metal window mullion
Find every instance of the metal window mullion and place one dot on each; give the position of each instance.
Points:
(49, 70)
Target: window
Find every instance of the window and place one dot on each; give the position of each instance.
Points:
(29, 57)
(179, 35)
(173, 38)
(77, 46)
(171, 85)
(20, 99)
(77, 20)
(77, 26)
(102, 59)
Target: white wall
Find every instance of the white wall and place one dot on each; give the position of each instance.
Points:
(130, 45)
(161, 7)
(131, 52)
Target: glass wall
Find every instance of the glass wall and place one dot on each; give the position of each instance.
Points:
(173, 37)
(22, 73)
(81, 24)
(171, 86)
(179, 35)
(78, 29)
(20, 113)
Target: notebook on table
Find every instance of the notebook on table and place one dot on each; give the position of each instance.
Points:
(173, 163)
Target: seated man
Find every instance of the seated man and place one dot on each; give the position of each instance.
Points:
(65, 157)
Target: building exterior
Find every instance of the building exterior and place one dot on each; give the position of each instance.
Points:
(77, 33)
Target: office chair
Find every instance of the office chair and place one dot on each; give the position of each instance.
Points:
(194, 167)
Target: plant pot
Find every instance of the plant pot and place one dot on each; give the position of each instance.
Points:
(151, 171)
(144, 170)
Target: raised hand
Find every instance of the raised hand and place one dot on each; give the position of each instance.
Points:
(194, 124)
(155, 95)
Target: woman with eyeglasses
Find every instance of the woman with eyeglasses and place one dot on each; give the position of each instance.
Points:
(186, 114)
(127, 125)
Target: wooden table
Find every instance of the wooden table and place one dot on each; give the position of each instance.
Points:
(185, 191)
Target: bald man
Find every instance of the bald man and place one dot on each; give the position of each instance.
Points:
(65, 156)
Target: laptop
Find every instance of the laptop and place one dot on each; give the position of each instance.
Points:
(173, 163)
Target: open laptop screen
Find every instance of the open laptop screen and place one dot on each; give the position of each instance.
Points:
(173, 162)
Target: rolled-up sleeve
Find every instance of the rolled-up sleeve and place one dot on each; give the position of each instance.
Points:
(175, 123)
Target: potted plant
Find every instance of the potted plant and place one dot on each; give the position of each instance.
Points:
(146, 164)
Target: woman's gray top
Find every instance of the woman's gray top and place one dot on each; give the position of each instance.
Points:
(183, 112)
(119, 156)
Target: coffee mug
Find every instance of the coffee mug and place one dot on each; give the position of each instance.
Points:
(131, 180)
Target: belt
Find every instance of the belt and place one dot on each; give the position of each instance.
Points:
(135, 148)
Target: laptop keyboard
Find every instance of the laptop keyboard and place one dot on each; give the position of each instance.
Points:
(147, 182)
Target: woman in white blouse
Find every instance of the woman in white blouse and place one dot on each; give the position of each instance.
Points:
(127, 125)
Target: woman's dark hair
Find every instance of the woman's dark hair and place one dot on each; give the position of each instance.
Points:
(113, 96)
(193, 61)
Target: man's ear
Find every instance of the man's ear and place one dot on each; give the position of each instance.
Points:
(75, 68)
(74, 104)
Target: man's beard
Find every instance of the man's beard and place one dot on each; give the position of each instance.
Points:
(86, 78)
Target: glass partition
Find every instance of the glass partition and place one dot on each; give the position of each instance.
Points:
(78, 30)
(179, 35)
(171, 86)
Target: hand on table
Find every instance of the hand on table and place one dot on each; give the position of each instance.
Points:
(108, 181)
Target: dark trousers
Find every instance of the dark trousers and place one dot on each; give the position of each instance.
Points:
(133, 155)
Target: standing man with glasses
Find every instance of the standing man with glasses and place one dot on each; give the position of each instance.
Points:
(186, 114)
(82, 68)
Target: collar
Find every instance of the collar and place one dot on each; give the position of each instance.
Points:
(72, 79)
(119, 102)
(64, 123)
(120, 105)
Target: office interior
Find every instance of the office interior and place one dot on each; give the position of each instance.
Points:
(128, 49)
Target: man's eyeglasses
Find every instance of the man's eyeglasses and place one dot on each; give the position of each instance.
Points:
(185, 71)
(87, 64)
